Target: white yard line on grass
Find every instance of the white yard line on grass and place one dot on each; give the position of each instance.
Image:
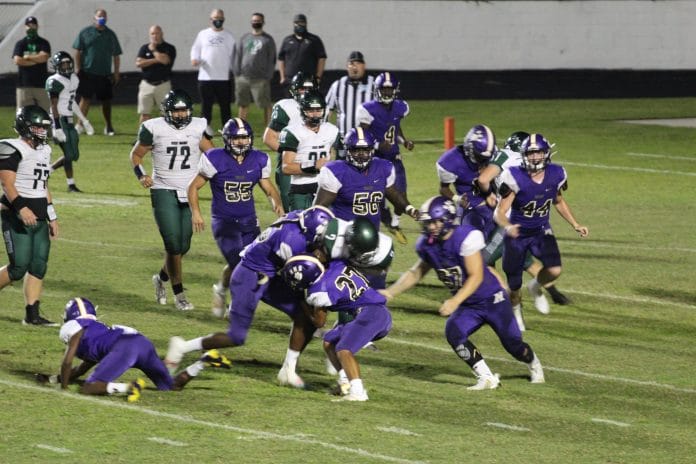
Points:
(629, 168)
(656, 249)
(610, 422)
(507, 426)
(92, 202)
(166, 441)
(650, 155)
(398, 431)
(55, 449)
(215, 425)
(591, 375)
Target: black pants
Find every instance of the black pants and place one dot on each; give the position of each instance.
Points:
(212, 91)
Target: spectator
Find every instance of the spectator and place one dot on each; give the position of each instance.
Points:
(253, 65)
(156, 59)
(96, 47)
(301, 51)
(348, 93)
(212, 54)
(31, 55)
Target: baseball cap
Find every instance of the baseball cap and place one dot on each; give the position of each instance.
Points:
(299, 18)
(31, 20)
(356, 56)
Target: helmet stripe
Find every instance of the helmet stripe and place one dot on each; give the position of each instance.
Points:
(307, 258)
(361, 134)
(387, 79)
(81, 306)
(241, 127)
(491, 140)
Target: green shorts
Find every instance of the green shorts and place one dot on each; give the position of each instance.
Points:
(27, 247)
(70, 147)
(173, 220)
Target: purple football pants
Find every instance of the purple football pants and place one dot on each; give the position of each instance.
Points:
(541, 245)
(231, 240)
(372, 323)
(133, 350)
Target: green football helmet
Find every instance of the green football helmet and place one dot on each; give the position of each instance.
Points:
(302, 83)
(361, 237)
(63, 63)
(177, 100)
(312, 100)
(514, 142)
(33, 123)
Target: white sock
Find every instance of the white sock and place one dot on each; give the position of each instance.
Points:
(114, 387)
(481, 369)
(71, 181)
(342, 377)
(195, 368)
(195, 344)
(291, 358)
(356, 387)
(534, 362)
(395, 220)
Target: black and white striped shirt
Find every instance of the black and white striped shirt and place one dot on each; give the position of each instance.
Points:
(345, 97)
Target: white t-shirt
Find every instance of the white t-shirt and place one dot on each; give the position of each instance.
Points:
(214, 50)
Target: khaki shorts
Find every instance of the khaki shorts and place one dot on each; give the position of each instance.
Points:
(257, 89)
(32, 96)
(150, 96)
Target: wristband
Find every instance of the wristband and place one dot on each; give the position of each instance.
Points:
(19, 202)
(310, 170)
(457, 199)
(139, 171)
(409, 209)
(51, 211)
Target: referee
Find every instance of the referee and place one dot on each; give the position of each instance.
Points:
(348, 93)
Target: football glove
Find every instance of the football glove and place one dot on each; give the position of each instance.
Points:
(89, 130)
(59, 135)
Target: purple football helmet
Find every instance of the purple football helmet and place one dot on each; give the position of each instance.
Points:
(237, 129)
(437, 209)
(313, 222)
(79, 308)
(535, 143)
(360, 146)
(301, 271)
(386, 88)
(479, 144)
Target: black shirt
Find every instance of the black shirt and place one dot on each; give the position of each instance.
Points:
(301, 55)
(158, 72)
(32, 76)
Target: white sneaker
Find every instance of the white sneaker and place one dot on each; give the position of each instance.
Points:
(536, 373)
(219, 305)
(182, 303)
(291, 379)
(486, 382)
(175, 354)
(540, 301)
(160, 290)
(353, 397)
(518, 317)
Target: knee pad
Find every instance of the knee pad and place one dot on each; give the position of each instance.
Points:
(519, 350)
(16, 272)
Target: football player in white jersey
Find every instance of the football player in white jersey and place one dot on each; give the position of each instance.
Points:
(29, 221)
(306, 148)
(176, 140)
(61, 88)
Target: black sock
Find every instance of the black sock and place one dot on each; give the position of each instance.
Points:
(164, 277)
(178, 288)
(32, 311)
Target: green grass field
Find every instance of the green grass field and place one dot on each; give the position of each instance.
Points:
(620, 361)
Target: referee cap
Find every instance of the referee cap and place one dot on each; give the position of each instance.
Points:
(299, 18)
(356, 56)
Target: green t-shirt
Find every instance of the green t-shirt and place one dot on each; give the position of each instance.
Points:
(98, 49)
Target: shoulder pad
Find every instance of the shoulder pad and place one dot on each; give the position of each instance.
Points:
(7, 150)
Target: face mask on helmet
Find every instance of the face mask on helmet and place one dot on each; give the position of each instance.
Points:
(237, 136)
(437, 217)
(177, 109)
(301, 271)
(33, 123)
(479, 144)
(360, 146)
(313, 222)
(536, 153)
(63, 63)
(386, 88)
(79, 308)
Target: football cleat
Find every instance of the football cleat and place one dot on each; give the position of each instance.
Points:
(486, 382)
(341, 389)
(175, 354)
(517, 312)
(291, 379)
(398, 234)
(160, 290)
(214, 358)
(558, 297)
(353, 397)
(219, 304)
(540, 302)
(39, 321)
(182, 303)
(135, 390)
(536, 373)
(109, 131)
(73, 189)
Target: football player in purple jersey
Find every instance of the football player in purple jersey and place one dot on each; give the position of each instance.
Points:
(255, 279)
(527, 192)
(383, 116)
(114, 350)
(233, 171)
(478, 296)
(341, 287)
(358, 185)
